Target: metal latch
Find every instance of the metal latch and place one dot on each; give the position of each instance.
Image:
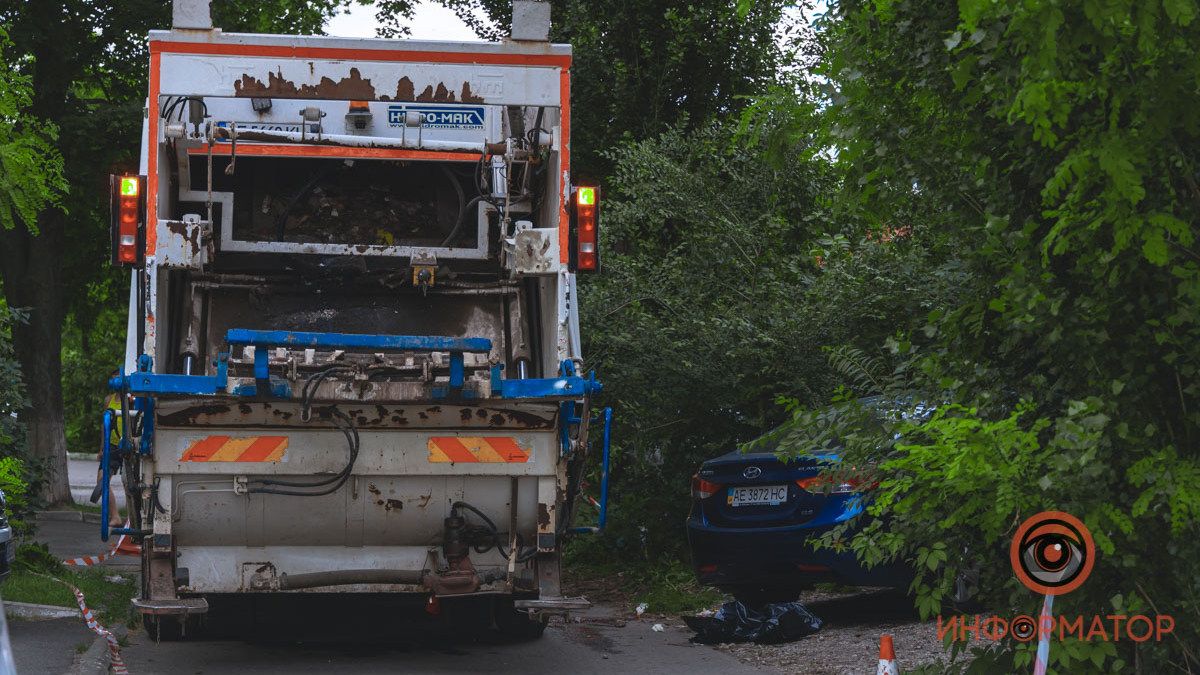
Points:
(424, 270)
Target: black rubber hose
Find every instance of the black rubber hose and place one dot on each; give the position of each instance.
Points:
(338, 480)
(527, 555)
(289, 582)
(462, 217)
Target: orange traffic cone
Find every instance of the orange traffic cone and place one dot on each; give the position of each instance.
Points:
(126, 545)
(887, 657)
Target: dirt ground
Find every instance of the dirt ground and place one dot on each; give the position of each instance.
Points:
(848, 642)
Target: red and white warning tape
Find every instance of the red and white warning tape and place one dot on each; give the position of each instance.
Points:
(114, 647)
(119, 548)
(90, 560)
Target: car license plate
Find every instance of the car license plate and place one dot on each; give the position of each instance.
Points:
(771, 495)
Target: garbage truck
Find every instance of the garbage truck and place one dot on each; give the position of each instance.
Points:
(353, 361)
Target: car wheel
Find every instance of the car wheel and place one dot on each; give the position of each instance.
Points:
(757, 596)
(518, 625)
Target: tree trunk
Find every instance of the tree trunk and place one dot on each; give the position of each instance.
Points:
(31, 266)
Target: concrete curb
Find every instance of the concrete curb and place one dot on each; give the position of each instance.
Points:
(34, 612)
(95, 661)
(68, 516)
(76, 516)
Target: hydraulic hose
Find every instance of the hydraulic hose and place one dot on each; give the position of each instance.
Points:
(334, 482)
(342, 421)
(462, 217)
(491, 527)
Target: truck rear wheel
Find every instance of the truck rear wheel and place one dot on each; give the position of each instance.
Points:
(167, 628)
(517, 625)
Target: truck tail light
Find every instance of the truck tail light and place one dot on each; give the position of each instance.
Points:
(127, 211)
(703, 489)
(586, 253)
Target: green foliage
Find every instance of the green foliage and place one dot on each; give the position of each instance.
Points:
(90, 352)
(666, 584)
(642, 67)
(16, 493)
(1048, 154)
(12, 391)
(31, 169)
(705, 312)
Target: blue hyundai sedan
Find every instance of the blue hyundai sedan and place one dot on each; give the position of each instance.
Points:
(753, 520)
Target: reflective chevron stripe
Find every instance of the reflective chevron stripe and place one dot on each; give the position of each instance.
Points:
(465, 449)
(231, 449)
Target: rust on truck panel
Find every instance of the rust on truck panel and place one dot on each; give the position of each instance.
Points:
(543, 517)
(271, 416)
(354, 87)
(181, 229)
(405, 90)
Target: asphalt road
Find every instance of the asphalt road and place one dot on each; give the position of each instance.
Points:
(599, 643)
(47, 646)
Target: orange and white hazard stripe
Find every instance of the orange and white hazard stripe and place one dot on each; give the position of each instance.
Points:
(471, 449)
(236, 449)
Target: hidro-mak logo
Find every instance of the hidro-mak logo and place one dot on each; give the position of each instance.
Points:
(438, 116)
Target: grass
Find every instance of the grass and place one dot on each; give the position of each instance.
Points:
(108, 599)
(667, 586)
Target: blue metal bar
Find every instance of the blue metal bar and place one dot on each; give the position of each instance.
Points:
(261, 363)
(105, 452)
(457, 368)
(559, 387)
(415, 343)
(602, 518)
(607, 439)
(156, 383)
(145, 405)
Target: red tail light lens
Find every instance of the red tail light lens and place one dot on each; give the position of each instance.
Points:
(127, 218)
(587, 208)
(703, 489)
(823, 485)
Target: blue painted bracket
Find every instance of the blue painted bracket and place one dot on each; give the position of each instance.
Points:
(105, 475)
(145, 405)
(401, 343)
(602, 518)
(144, 382)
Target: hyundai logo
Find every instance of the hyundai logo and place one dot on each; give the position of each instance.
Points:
(752, 472)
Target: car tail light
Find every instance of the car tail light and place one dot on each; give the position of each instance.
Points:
(703, 489)
(818, 484)
(587, 233)
(707, 569)
(126, 207)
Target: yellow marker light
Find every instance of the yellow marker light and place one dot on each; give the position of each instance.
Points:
(129, 186)
(586, 196)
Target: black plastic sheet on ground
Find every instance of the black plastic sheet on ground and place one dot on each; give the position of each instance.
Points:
(770, 624)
